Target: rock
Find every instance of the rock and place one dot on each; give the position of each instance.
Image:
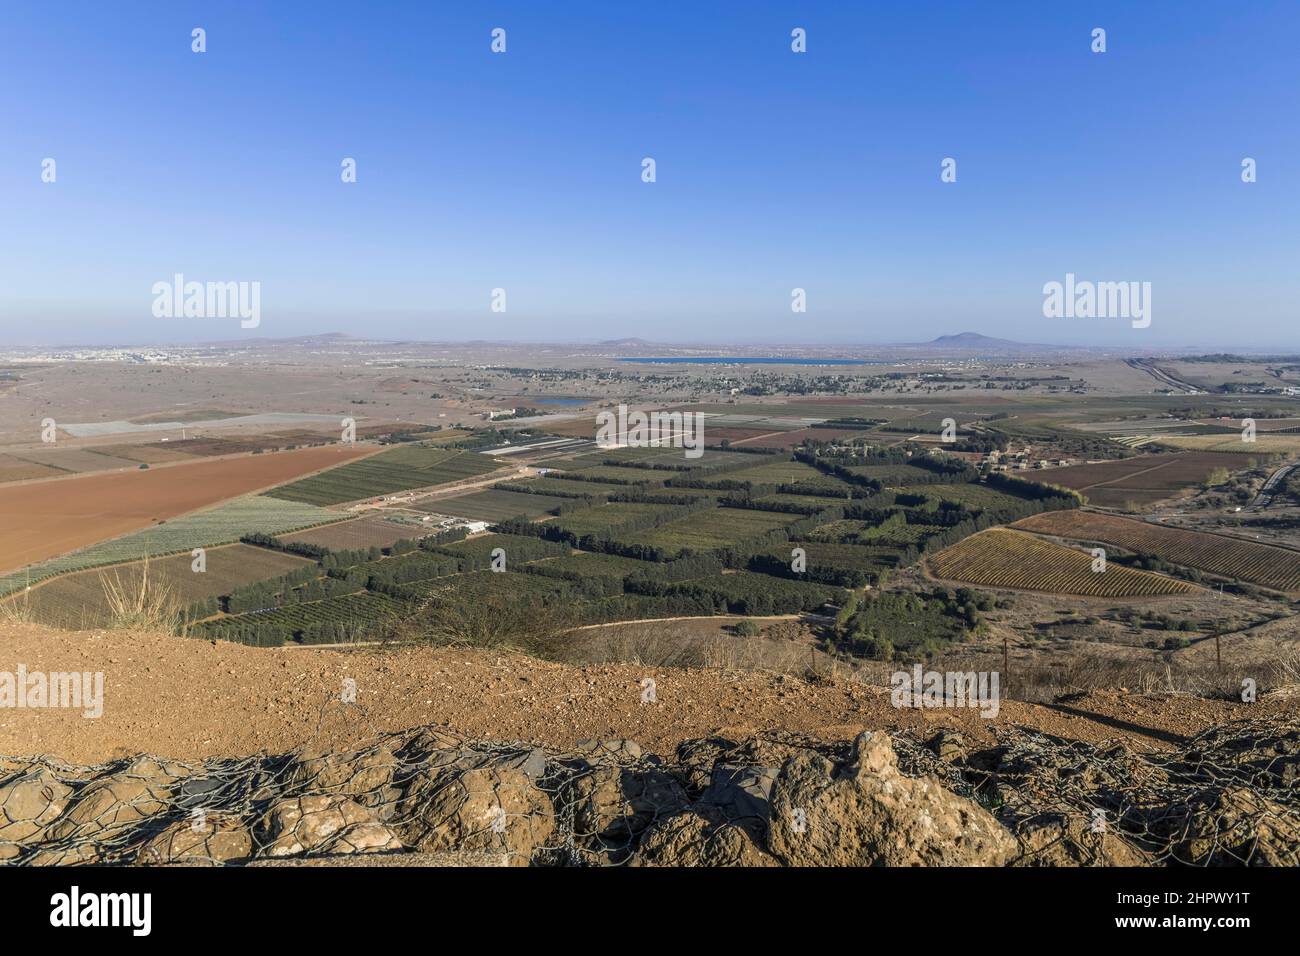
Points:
(741, 793)
(866, 813)
(83, 854)
(110, 804)
(617, 749)
(223, 839)
(366, 778)
(948, 745)
(480, 802)
(1056, 840)
(1237, 827)
(615, 803)
(696, 759)
(700, 837)
(28, 803)
(323, 823)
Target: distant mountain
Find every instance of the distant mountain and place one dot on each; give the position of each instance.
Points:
(975, 342)
(625, 343)
(972, 340)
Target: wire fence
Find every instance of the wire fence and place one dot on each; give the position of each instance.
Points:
(1227, 797)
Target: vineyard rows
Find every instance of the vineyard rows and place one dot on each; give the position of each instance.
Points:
(1013, 559)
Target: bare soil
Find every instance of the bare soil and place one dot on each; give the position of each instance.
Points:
(188, 698)
(40, 520)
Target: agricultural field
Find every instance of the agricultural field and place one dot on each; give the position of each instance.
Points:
(76, 460)
(1264, 444)
(810, 502)
(80, 600)
(350, 617)
(399, 469)
(779, 472)
(1002, 558)
(518, 548)
(224, 524)
(1229, 557)
(973, 497)
(606, 517)
(1137, 481)
(561, 488)
(366, 532)
(617, 474)
(766, 438)
(151, 453)
(891, 475)
(19, 469)
(475, 585)
(41, 520)
(708, 530)
(745, 592)
(492, 505)
(584, 564)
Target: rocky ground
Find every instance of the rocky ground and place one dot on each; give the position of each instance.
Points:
(478, 758)
(1227, 798)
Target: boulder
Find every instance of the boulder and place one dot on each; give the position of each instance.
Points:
(615, 803)
(366, 777)
(480, 801)
(29, 802)
(1237, 827)
(740, 793)
(109, 804)
(323, 823)
(866, 813)
(700, 837)
(1058, 840)
(222, 839)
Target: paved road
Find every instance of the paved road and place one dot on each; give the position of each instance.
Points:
(1275, 480)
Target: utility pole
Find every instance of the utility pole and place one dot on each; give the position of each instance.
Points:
(1218, 633)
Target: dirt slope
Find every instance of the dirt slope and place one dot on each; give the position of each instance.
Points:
(188, 698)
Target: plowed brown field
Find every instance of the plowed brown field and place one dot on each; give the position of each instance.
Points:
(42, 520)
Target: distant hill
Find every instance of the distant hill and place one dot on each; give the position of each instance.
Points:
(975, 342)
(625, 343)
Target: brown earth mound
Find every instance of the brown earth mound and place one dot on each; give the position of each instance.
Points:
(186, 698)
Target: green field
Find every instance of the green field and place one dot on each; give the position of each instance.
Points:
(620, 474)
(547, 485)
(779, 472)
(605, 517)
(351, 617)
(492, 505)
(708, 530)
(891, 476)
(399, 469)
(489, 584)
(80, 600)
(972, 496)
(583, 564)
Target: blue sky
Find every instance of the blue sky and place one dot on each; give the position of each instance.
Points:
(775, 170)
